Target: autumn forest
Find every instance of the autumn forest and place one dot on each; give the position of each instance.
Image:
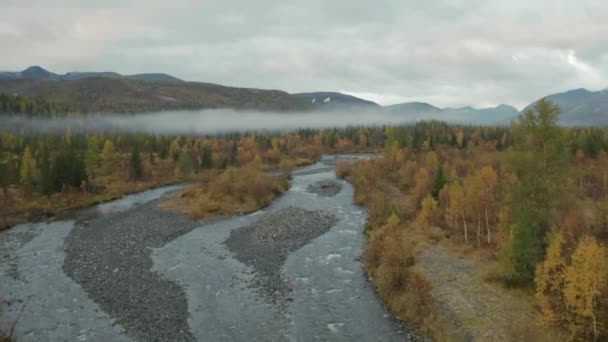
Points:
(529, 200)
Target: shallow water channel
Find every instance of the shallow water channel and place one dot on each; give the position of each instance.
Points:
(127, 271)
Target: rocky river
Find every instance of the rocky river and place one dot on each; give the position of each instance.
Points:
(129, 271)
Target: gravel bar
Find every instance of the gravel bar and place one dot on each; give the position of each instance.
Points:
(110, 258)
(265, 245)
(325, 188)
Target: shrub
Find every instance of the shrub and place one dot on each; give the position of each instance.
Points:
(344, 169)
(236, 190)
(204, 205)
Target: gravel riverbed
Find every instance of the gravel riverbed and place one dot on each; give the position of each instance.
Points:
(128, 271)
(266, 243)
(110, 258)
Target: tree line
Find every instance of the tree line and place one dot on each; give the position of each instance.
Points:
(17, 104)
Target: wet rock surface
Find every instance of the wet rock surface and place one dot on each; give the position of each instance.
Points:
(110, 258)
(10, 244)
(326, 188)
(265, 245)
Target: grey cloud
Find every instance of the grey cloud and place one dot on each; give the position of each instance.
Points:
(452, 52)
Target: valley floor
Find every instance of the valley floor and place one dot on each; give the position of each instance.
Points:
(481, 310)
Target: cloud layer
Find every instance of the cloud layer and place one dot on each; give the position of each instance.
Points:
(448, 52)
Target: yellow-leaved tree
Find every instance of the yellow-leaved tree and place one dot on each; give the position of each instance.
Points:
(175, 149)
(550, 278)
(110, 159)
(28, 173)
(586, 290)
(393, 221)
(473, 190)
(428, 213)
(431, 161)
(489, 181)
(457, 207)
(423, 184)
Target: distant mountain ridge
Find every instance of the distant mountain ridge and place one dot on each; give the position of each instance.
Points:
(37, 72)
(416, 111)
(333, 100)
(113, 92)
(500, 115)
(127, 95)
(581, 107)
(411, 111)
(410, 108)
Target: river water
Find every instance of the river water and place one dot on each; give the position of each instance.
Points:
(330, 299)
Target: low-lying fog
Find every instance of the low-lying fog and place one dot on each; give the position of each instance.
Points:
(223, 120)
(201, 122)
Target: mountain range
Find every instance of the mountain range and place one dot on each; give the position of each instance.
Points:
(112, 92)
(36, 72)
(411, 111)
(579, 107)
(91, 92)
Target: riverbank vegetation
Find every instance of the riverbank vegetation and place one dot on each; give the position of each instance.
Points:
(530, 200)
(42, 175)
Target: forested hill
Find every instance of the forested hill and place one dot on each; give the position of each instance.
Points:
(16, 104)
(102, 94)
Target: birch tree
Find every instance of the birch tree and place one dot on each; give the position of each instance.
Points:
(489, 182)
(585, 290)
(28, 173)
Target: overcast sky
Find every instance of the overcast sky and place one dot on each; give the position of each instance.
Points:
(445, 52)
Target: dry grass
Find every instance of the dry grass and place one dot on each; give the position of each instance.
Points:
(5, 338)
